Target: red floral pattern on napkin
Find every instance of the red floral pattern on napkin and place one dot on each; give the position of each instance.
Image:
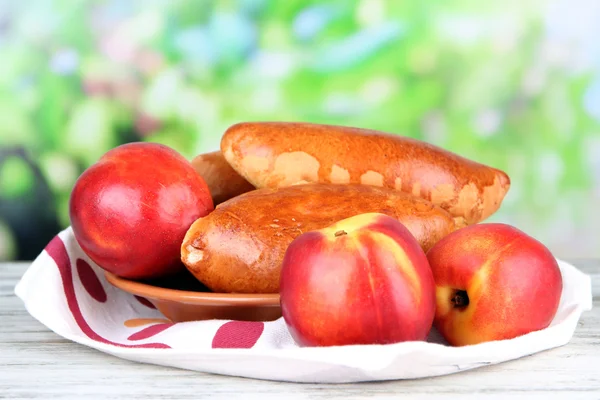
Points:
(231, 334)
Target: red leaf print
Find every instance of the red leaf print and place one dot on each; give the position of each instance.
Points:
(90, 281)
(238, 334)
(149, 331)
(145, 302)
(56, 249)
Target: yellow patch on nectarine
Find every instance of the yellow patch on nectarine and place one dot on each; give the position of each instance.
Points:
(458, 326)
(349, 228)
(351, 224)
(402, 261)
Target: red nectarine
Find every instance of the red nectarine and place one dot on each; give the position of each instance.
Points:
(130, 211)
(493, 282)
(363, 280)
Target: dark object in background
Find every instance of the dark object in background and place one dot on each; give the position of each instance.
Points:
(31, 217)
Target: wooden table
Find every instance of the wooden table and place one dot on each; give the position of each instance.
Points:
(36, 363)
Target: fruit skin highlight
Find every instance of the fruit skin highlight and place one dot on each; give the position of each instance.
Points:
(363, 280)
(493, 282)
(130, 210)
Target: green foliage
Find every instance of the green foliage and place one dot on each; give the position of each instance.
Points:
(16, 178)
(483, 79)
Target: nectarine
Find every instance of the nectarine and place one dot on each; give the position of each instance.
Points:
(493, 282)
(130, 210)
(363, 280)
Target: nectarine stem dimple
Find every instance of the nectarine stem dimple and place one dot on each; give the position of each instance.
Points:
(460, 299)
(340, 233)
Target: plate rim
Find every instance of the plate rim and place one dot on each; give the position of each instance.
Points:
(192, 297)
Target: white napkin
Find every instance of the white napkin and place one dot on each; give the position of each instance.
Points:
(67, 292)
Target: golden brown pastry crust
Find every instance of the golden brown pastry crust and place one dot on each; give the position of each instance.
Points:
(239, 247)
(278, 154)
(223, 181)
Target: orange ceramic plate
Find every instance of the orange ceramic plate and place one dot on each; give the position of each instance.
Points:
(182, 298)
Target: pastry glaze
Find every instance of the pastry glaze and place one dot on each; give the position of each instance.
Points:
(222, 180)
(278, 154)
(239, 247)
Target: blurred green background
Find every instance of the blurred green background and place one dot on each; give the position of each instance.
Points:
(513, 84)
